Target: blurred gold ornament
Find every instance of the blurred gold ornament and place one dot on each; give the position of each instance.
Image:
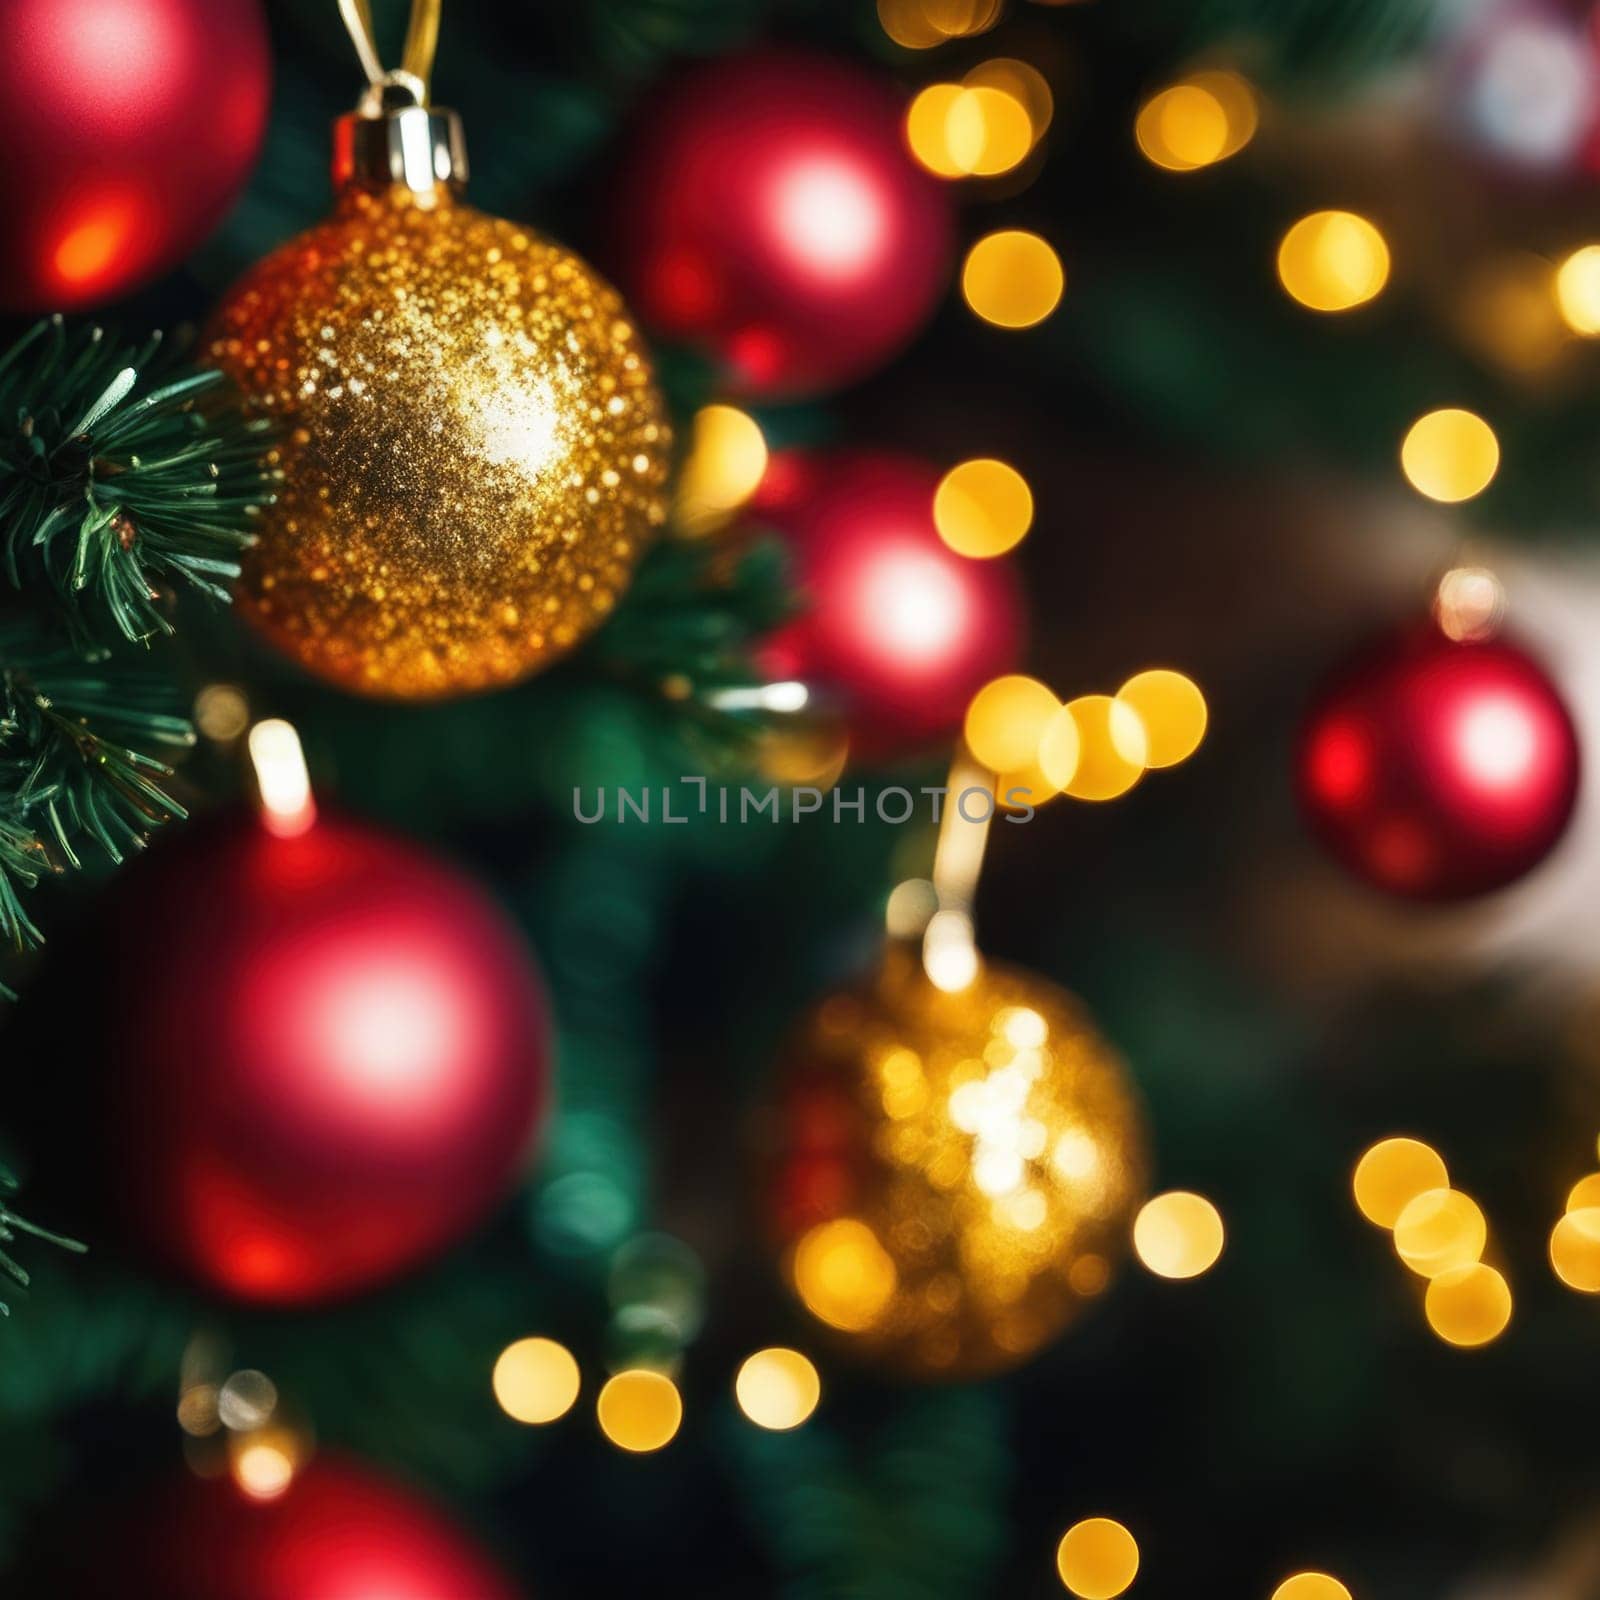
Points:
(957, 1171)
(474, 453)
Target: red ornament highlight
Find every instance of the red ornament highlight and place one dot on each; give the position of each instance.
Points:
(1439, 770)
(338, 1532)
(328, 1067)
(131, 125)
(773, 216)
(897, 628)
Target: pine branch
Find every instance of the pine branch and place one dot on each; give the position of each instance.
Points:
(114, 486)
(73, 762)
(11, 1224)
(122, 480)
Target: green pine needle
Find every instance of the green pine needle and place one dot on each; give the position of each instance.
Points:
(11, 1225)
(114, 488)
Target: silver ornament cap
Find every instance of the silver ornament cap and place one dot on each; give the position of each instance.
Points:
(394, 137)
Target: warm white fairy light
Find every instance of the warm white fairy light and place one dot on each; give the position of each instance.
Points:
(282, 779)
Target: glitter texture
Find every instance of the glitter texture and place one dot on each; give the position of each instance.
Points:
(957, 1173)
(474, 451)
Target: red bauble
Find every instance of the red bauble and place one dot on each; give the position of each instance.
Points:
(130, 127)
(1439, 770)
(329, 1058)
(772, 215)
(896, 627)
(338, 1532)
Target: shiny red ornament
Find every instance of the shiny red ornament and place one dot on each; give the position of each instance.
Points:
(329, 1060)
(896, 628)
(130, 127)
(338, 1532)
(771, 214)
(1438, 770)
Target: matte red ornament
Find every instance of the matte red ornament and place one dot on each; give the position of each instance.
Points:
(130, 127)
(1438, 770)
(771, 214)
(897, 628)
(330, 1057)
(338, 1532)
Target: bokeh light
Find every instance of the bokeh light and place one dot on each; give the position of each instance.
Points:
(1575, 1249)
(264, 1464)
(1097, 1558)
(1585, 1192)
(1102, 754)
(221, 712)
(928, 129)
(1012, 278)
(777, 1388)
(983, 508)
(988, 131)
(1470, 603)
(1024, 83)
(844, 1274)
(1311, 1586)
(1172, 711)
(536, 1380)
(639, 1411)
(1205, 119)
(1450, 455)
(1392, 1173)
(1439, 1231)
(923, 24)
(1178, 1234)
(1578, 290)
(197, 1410)
(1005, 727)
(246, 1400)
(1333, 261)
(726, 462)
(1469, 1306)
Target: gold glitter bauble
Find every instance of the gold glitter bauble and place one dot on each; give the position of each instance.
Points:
(958, 1172)
(474, 453)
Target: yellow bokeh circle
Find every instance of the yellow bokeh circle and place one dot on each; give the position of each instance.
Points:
(1575, 1249)
(844, 1275)
(1110, 748)
(639, 1411)
(1007, 720)
(1178, 1235)
(1333, 261)
(1311, 1586)
(1392, 1173)
(988, 131)
(777, 1388)
(1469, 1306)
(1578, 290)
(1012, 278)
(1585, 1192)
(928, 129)
(726, 462)
(535, 1380)
(1172, 711)
(1450, 455)
(1205, 119)
(1439, 1231)
(1024, 83)
(1098, 1559)
(982, 508)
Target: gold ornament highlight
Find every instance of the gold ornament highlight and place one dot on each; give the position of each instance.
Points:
(474, 453)
(956, 1172)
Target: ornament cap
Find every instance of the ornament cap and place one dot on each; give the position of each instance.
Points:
(394, 137)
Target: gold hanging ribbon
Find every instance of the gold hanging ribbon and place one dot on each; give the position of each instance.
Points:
(422, 40)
